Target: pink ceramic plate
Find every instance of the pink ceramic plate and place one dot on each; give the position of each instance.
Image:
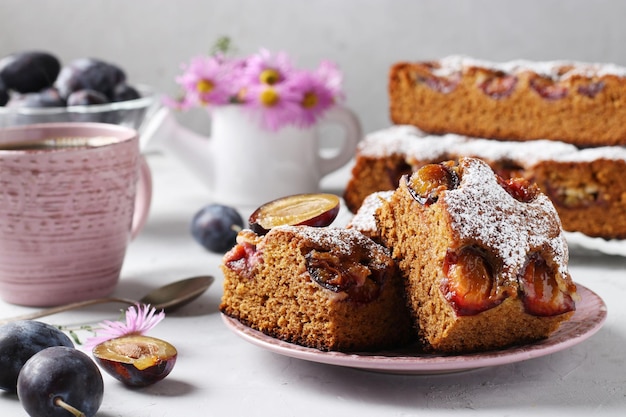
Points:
(588, 319)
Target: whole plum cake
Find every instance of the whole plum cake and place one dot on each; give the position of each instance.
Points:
(484, 259)
(516, 100)
(320, 287)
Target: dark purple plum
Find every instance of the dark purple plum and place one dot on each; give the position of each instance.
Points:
(4, 93)
(59, 381)
(19, 341)
(48, 97)
(125, 92)
(30, 71)
(91, 74)
(86, 98)
(216, 226)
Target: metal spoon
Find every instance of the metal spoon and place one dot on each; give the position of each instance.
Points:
(167, 298)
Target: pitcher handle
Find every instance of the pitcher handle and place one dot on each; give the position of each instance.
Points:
(143, 198)
(345, 118)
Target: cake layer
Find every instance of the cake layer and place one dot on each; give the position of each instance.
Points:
(578, 103)
(485, 261)
(326, 288)
(584, 184)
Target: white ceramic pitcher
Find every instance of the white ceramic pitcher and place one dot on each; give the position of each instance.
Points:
(246, 165)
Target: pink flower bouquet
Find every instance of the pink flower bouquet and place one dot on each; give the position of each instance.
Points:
(264, 83)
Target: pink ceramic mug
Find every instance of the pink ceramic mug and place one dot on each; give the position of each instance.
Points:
(72, 196)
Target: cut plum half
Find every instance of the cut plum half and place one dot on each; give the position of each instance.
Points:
(136, 360)
(427, 183)
(316, 209)
(469, 285)
(540, 291)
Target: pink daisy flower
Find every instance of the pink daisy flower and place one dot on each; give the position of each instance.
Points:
(139, 319)
(314, 97)
(265, 68)
(206, 81)
(330, 75)
(277, 105)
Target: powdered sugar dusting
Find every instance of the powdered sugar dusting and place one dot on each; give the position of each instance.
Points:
(483, 212)
(364, 220)
(341, 240)
(389, 141)
(612, 153)
(551, 69)
(416, 145)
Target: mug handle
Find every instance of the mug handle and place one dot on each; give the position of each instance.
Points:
(344, 117)
(143, 198)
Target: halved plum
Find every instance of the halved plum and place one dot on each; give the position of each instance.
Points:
(541, 294)
(427, 183)
(548, 89)
(136, 360)
(352, 275)
(315, 209)
(499, 86)
(520, 188)
(469, 285)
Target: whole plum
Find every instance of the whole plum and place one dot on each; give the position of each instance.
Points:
(125, 92)
(216, 226)
(28, 72)
(4, 93)
(58, 380)
(48, 97)
(86, 97)
(19, 341)
(90, 74)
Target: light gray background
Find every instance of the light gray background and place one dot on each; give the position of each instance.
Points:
(150, 38)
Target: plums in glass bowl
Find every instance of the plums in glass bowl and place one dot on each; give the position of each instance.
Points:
(34, 88)
(130, 113)
(136, 360)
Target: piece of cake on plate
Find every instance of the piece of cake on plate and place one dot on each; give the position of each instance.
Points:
(484, 259)
(320, 287)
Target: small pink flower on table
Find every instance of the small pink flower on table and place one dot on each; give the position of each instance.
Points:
(139, 320)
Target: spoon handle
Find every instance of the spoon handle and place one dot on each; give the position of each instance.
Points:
(67, 307)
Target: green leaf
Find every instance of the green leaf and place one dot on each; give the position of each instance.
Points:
(223, 44)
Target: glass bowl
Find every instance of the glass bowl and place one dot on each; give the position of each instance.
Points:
(130, 113)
